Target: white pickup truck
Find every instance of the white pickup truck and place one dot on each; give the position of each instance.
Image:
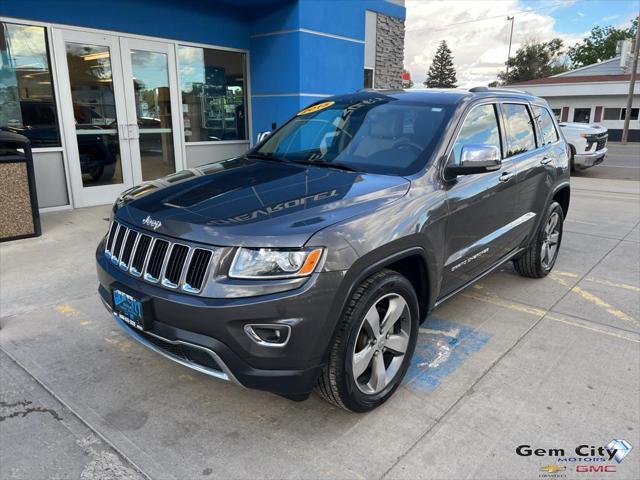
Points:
(588, 143)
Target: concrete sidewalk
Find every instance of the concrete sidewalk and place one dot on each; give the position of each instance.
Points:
(552, 363)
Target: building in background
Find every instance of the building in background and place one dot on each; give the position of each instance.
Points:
(593, 94)
(115, 93)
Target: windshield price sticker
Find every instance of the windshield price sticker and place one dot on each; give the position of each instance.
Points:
(315, 108)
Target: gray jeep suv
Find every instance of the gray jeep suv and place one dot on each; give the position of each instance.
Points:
(311, 260)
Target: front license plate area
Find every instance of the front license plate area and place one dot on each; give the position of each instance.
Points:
(128, 309)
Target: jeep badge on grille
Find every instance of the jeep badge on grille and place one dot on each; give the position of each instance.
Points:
(150, 222)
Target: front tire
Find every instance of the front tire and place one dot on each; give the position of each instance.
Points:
(540, 257)
(373, 345)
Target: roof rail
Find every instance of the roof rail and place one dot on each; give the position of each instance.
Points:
(498, 89)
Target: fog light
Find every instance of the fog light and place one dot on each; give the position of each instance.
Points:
(269, 335)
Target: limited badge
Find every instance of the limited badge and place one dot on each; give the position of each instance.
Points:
(315, 108)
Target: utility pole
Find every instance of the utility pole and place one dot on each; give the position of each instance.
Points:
(632, 83)
(510, 38)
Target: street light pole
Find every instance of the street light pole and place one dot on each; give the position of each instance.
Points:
(510, 38)
(632, 83)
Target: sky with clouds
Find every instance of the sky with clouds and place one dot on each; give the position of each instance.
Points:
(477, 31)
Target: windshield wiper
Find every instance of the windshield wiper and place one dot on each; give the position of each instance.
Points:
(339, 166)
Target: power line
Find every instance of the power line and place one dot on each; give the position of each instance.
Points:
(445, 27)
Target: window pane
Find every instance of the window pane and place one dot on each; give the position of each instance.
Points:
(548, 129)
(611, 114)
(634, 114)
(557, 112)
(213, 94)
(520, 133)
(27, 105)
(479, 128)
(581, 115)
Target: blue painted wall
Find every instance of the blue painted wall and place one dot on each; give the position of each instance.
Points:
(316, 65)
(188, 20)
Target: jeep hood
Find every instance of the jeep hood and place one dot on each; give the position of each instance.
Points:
(260, 203)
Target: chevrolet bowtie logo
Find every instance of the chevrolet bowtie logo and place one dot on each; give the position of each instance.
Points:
(553, 468)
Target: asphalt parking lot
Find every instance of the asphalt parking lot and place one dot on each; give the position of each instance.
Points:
(551, 363)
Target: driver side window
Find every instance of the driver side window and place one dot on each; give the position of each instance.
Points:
(480, 127)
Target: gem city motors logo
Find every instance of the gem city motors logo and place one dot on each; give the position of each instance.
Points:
(588, 458)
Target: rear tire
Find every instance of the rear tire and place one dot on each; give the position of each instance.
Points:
(540, 257)
(373, 344)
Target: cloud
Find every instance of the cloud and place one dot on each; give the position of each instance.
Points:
(580, 14)
(608, 18)
(479, 48)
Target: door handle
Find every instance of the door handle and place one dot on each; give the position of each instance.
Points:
(506, 176)
(546, 160)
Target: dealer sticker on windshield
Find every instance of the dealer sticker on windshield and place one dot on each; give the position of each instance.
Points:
(315, 108)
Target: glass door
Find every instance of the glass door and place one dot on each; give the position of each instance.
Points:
(151, 91)
(119, 101)
(93, 111)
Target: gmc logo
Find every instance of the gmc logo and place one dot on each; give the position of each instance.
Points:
(595, 468)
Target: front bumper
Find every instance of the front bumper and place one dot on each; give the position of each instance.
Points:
(207, 334)
(586, 160)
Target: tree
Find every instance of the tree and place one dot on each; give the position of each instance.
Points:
(600, 44)
(534, 60)
(441, 73)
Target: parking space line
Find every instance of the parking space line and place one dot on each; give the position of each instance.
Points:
(623, 286)
(597, 330)
(518, 307)
(590, 297)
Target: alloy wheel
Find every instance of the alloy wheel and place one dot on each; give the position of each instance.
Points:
(381, 344)
(550, 240)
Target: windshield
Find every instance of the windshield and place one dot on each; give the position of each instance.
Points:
(375, 134)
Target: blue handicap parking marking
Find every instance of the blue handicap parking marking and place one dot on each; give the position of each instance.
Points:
(442, 347)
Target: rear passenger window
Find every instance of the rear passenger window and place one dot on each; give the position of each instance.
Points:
(480, 127)
(520, 133)
(547, 128)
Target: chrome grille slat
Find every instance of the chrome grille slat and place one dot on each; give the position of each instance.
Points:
(177, 265)
(117, 244)
(111, 235)
(137, 264)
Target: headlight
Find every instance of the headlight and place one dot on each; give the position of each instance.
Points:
(274, 263)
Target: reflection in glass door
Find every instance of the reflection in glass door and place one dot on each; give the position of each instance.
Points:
(153, 113)
(150, 93)
(94, 112)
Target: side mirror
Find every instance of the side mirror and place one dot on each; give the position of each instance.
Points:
(262, 136)
(476, 159)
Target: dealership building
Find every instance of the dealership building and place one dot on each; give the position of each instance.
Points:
(114, 94)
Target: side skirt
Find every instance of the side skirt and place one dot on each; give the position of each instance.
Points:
(503, 260)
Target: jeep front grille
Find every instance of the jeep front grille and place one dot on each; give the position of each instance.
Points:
(172, 265)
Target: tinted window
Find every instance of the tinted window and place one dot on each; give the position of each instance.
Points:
(520, 133)
(611, 114)
(634, 114)
(27, 105)
(213, 94)
(480, 127)
(375, 134)
(547, 128)
(581, 115)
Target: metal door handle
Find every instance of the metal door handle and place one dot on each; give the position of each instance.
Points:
(546, 160)
(506, 176)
